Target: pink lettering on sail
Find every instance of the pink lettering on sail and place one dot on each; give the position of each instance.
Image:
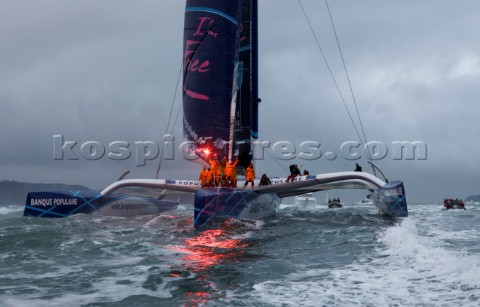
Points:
(192, 64)
(199, 28)
(190, 50)
(195, 95)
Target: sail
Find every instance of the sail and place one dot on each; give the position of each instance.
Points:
(220, 93)
(210, 73)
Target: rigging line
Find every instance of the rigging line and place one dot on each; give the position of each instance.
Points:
(275, 160)
(176, 118)
(164, 150)
(367, 150)
(171, 132)
(174, 124)
(330, 70)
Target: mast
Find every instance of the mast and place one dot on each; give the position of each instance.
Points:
(254, 71)
(246, 116)
(233, 108)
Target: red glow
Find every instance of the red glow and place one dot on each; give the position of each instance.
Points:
(196, 298)
(201, 253)
(206, 151)
(209, 248)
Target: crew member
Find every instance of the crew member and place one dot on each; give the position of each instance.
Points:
(211, 178)
(222, 167)
(249, 176)
(294, 172)
(358, 168)
(265, 180)
(231, 173)
(215, 170)
(204, 178)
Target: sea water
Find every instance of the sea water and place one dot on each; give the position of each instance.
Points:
(316, 257)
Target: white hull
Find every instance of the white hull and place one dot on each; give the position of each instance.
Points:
(364, 203)
(305, 201)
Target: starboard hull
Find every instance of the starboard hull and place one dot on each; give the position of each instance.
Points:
(62, 204)
(390, 199)
(211, 203)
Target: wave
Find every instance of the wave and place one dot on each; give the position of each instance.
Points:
(4, 210)
(407, 268)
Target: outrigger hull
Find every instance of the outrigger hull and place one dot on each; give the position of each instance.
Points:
(129, 197)
(390, 199)
(63, 204)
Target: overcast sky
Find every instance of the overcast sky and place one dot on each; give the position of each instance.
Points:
(107, 71)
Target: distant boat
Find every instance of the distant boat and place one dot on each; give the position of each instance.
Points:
(366, 201)
(306, 200)
(451, 203)
(334, 203)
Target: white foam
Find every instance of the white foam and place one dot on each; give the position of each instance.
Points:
(106, 290)
(125, 279)
(10, 209)
(407, 269)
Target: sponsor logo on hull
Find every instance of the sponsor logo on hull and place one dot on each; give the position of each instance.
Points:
(46, 202)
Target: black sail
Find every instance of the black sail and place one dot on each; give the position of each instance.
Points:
(219, 78)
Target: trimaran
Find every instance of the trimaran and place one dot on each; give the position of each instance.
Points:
(220, 103)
